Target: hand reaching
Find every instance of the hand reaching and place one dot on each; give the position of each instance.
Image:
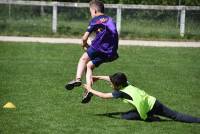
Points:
(85, 46)
(87, 87)
(95, 78)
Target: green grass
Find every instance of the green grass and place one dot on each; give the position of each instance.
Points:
(33, 77)
(158, 29)
(42, 27)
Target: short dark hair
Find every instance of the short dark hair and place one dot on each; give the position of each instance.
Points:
(119, 80)
(98, 5)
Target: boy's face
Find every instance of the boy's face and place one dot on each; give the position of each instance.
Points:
(92, 12)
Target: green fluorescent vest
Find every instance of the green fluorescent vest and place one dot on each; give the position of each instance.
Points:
(141, 100)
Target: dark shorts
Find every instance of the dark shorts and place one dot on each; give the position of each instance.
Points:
(98, 58)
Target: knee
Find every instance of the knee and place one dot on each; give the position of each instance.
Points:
(126, 117)
(90, 65)
(84, 58)
(123, 117)
(131, 115)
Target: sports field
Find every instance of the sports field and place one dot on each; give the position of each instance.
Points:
(32, 76)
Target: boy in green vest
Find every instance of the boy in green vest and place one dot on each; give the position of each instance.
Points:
(144, 105)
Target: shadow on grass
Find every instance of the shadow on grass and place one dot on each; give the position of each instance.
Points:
(117, 115)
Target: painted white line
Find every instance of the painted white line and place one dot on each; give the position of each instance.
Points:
(159, 43)
(40, 40)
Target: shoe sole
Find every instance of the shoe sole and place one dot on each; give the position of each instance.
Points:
(72, 85)
(87, 98)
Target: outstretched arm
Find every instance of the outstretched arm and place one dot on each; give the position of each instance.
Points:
(84, 40)
(106, 78)
(97, 93)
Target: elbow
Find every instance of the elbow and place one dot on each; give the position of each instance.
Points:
(103, 97)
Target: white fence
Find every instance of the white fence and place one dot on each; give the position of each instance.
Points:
(118, 7)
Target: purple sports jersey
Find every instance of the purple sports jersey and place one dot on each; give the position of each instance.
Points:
(106, 40)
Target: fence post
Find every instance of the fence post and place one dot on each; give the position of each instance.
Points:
(119, 14)
(41, 10)
(54, 18)
(182, 22)
(9, 10)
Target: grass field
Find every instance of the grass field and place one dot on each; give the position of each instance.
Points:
(33, 78)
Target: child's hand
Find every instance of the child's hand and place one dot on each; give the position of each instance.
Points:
(85, 46)
(87, 87)
(95, 78)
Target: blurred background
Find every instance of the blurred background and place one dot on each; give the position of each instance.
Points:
(36, 20)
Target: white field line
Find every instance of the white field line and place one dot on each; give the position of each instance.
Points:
(121, 42)
(39, 40)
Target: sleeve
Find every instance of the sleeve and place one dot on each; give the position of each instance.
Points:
(91, 26)
(117, 94)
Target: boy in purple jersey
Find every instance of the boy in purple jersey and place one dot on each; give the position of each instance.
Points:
(102, 49)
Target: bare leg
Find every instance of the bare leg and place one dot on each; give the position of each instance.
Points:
(89, 81)
(80, 70)
(82, 65)
(90, 67)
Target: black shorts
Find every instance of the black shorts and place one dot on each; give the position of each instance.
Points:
(98, 58)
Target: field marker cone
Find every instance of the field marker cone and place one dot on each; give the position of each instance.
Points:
(9, 105)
